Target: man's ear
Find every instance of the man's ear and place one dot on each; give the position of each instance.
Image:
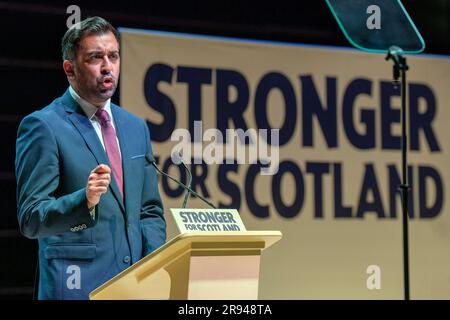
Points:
(69, 69)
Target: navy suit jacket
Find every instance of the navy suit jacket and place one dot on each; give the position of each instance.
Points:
(57, 147)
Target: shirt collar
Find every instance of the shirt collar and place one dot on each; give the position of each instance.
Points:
(88, 108)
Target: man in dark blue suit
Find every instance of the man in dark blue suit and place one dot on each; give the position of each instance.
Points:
(84, 187)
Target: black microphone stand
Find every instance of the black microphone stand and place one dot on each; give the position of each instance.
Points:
(151, 160)
(186, 197)
(179, 156)
(399, 70)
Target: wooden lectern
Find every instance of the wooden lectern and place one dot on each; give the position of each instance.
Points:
(200, 265)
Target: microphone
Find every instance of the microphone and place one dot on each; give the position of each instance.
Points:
(177, 158)
(150, 159)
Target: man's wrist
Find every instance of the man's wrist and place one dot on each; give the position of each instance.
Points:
(92, 212)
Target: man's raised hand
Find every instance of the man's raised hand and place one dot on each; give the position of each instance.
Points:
(97, 184)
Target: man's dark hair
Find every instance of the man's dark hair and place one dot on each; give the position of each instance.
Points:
(94, 25)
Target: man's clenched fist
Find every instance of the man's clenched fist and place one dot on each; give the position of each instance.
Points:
(97, 184)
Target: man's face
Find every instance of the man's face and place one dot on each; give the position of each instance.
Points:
(95, 71)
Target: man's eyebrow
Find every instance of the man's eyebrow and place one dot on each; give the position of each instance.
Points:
(95, 51)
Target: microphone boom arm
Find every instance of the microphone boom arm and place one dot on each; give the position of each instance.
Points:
(189, 189)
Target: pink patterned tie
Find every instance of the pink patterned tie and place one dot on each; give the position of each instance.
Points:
(112, 149)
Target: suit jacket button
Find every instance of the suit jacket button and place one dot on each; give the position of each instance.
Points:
(126, 259)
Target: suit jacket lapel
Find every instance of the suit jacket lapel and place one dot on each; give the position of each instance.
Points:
(87, 131)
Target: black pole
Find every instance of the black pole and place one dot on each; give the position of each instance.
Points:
(404, 187)
(400, 68)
